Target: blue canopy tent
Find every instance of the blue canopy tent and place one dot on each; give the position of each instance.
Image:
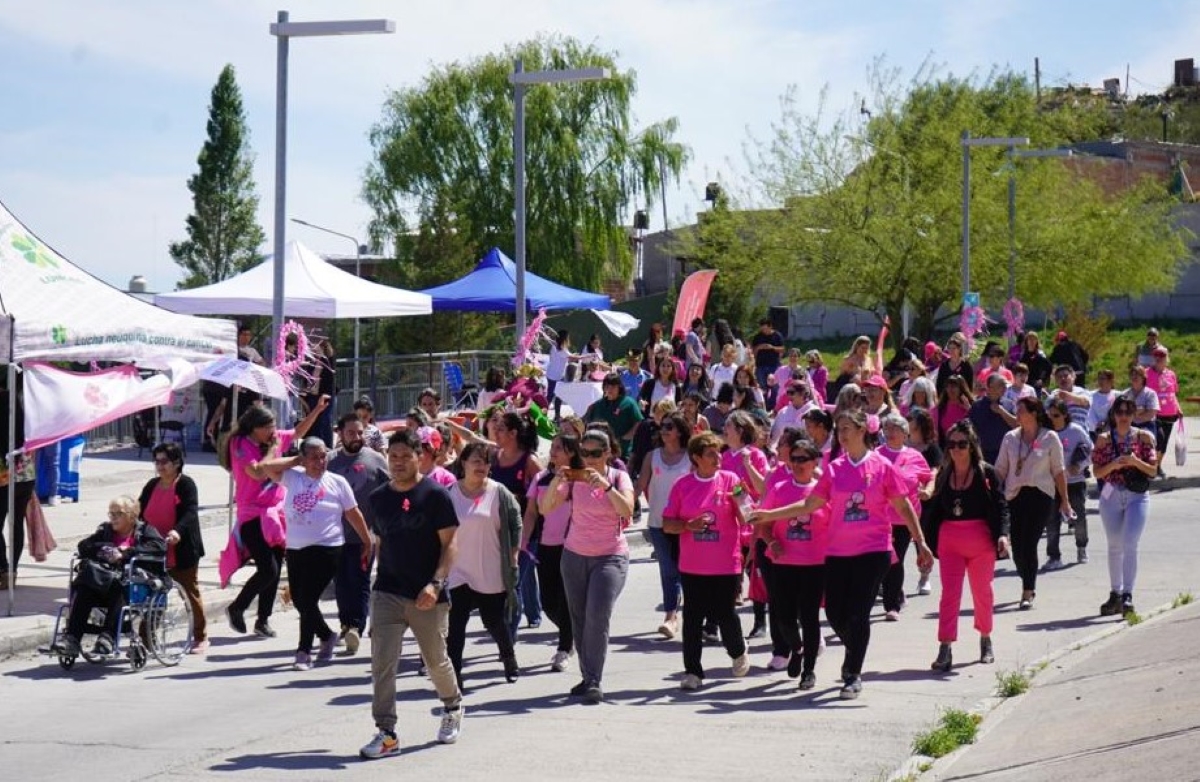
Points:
(491, 287)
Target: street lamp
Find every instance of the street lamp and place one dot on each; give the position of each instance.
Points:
(359, 249)
(285, 31)
(967, 144)
(1013, 155)
(521, 80)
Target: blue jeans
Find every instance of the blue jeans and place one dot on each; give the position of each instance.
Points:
(1124, 515)
(668, 569)
(352, 586)
(529, 601)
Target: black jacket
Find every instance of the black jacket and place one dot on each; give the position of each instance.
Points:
(146, 543)
(190, 548)
(933, 513)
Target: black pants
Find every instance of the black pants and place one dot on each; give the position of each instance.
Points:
(353, 585)
(796, 592)
(1077, 496)
(851, 584)
(463, 600)
(1029, 510)
(87, 599)
(554, 599)
(1163, 435)
(711, 597)
(264, 584)
(310, 570)
(893, 581)
(20, 502)
(779, 647)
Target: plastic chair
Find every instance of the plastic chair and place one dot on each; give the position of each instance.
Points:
(173, 431)
(461, 394)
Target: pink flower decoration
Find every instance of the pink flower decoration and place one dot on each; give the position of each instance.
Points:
(873, 423)
(405, 505)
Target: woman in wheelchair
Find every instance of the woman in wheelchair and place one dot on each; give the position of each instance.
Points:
(98, 582)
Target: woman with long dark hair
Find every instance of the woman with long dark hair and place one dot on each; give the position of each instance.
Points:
(665, 384)
(1031, 467)
(555, 522)
(514, 465)
(859, 486)
(967, 525)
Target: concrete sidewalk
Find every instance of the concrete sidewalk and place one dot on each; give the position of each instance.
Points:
(1127, 707)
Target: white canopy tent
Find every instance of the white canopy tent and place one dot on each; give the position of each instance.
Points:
(313, 288)
(52, 310)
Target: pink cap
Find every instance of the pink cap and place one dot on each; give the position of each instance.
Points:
(877, 381)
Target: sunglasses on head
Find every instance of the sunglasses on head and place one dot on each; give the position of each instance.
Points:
(958, 444)
(593, 453)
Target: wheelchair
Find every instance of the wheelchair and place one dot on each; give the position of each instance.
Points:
(155, 621)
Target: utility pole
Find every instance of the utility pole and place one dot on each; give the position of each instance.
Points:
(1037, 80)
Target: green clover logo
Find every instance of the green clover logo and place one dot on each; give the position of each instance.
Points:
(34, 251)
(58, 335)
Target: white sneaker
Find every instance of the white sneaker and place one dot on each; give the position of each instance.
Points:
(690, 682)
(741, 665)
(385, 744)
(352, 640)
(52, 501)
(303, 662)
(451, 726)
(669, 628)
(1053, 564)
(560, 662)
(923, 587)
(778, 663)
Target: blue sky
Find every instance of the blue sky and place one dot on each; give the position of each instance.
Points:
(106, 102)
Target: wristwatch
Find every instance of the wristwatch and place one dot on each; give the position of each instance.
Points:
(438, 583)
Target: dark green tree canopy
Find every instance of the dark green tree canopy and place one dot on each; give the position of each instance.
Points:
(224, 236)
(445, 149)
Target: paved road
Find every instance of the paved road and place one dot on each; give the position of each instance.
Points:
(243, 710)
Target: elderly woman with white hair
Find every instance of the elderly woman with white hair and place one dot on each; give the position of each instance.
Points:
(918, 478)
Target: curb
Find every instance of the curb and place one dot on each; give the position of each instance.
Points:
(994, 709)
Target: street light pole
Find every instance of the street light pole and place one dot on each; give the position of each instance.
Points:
(358, 254)
(520, 80)
(968, 142)
(284, 31)
(1013, 155)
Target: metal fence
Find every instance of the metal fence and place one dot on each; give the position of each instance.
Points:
(393, 382)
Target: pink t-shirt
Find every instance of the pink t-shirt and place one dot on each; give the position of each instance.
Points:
(915, 472)
(440, 475)
(1166, 385)
(858, 498)
(802, 538)
(716, 550)
(254, 497)
(160, 514)
(596, 530)
(554, 523)
(948, 417)
(732, 461)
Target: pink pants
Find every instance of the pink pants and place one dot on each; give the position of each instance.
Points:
(965, 548)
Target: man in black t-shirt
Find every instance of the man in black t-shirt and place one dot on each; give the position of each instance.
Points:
(767, 347)
(415, 523)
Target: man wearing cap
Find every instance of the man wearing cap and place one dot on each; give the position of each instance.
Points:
(632, 375)
(1144, 355)
(1069, 352)
(768, 347)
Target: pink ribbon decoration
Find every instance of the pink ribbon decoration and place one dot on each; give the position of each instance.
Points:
(529, 339)
(1014, 317)
(972, 323)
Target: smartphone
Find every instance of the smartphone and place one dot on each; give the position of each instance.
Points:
(577, 474)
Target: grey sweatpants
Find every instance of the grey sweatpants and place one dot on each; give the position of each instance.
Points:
(592, 585)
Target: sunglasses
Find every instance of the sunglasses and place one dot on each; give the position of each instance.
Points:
(593, 453)
(957, 444)
(801, 458)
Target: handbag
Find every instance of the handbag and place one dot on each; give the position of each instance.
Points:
(96, 577)
(1180, 445)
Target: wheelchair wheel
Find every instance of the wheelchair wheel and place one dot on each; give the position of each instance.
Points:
(66, 661)
(169, 622)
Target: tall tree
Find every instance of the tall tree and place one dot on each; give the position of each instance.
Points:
(224, 236)
(871, 213)
(446, 147)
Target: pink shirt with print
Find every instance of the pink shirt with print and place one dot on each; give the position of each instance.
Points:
(1166, 385)
(858, 497)
(554, 523)
(731, 461)
(802, 539)
(596, 530)
(915, 472)
(716, 550)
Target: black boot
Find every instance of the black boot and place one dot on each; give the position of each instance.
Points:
(1126, 603)
(512, 671)
(1112, 606)
(945, 659)
(986, 655)
(760, 621)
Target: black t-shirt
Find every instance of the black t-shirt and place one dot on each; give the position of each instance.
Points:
(767, 359)
(407, 523)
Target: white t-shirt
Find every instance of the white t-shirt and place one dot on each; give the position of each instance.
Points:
(719, 374)
(314, 508)
(478, 562)
(556, 364)
(662, 478)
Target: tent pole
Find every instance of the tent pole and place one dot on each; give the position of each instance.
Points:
(232, 423)
(11, 461)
